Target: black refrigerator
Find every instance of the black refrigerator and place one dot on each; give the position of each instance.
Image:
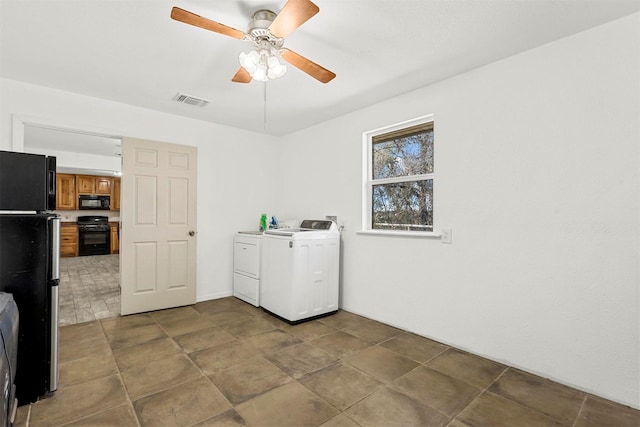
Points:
(29, 267)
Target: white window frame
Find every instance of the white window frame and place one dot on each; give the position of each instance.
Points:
(368, 182)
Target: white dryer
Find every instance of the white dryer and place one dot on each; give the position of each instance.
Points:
(246, 266)
(300, 270)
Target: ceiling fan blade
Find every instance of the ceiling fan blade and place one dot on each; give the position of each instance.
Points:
(309, 67)
(242, 76)
(292, 15)
(198, 21)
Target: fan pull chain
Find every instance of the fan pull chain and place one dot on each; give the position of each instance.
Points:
(264, 123)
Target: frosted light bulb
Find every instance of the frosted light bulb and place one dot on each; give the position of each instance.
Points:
(277, 71)
(273, 62)
(247, 63)
(260, 74)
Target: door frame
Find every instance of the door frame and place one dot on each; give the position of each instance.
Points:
(19, 122)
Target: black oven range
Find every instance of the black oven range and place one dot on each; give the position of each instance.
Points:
(94, 234)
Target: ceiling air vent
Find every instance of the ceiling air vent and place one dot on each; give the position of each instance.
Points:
(191, 100)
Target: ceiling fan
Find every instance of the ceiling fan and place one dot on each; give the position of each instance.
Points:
(267, 31)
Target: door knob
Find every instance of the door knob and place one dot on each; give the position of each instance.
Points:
(192, 233)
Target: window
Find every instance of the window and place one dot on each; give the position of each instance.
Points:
(398, 193)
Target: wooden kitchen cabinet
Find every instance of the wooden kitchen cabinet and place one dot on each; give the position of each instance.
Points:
(65, 191)
(68, 239)
(87, 184)
(115, 240)
(69, 186)
(115, 195)
(103, 185)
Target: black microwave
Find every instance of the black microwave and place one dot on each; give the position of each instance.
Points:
(90, 201)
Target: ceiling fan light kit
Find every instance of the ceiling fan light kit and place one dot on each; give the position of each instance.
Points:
(262, 63)
(266, 32)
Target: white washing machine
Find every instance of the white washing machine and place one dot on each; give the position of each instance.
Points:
(300, 270)
(246, 266)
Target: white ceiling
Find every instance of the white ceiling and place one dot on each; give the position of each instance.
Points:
(130, 51)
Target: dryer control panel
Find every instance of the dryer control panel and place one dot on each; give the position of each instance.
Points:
(316, 224)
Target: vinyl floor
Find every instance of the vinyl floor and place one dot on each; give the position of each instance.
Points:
(226, 363)
(89, 288)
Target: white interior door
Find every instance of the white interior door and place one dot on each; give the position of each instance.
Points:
(158, 226)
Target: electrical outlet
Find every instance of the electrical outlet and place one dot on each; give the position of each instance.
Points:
(446, 235)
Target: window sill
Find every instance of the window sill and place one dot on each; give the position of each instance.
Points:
(422, 234)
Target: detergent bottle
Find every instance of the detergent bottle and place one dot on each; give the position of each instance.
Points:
(263, 222)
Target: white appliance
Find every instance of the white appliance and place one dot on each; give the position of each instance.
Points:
(300, 270)
(246, 266)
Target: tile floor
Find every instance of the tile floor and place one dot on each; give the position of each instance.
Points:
(89, 288)
(227, 363)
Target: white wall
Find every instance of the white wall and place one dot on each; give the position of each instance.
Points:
(235, 172)
(537, 172)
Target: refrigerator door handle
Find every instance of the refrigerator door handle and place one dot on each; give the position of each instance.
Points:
(55, 297)
(51, 179)
(53, 373)
(55, 249)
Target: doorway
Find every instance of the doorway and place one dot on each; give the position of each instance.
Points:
(168, 181)
(89, 285)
